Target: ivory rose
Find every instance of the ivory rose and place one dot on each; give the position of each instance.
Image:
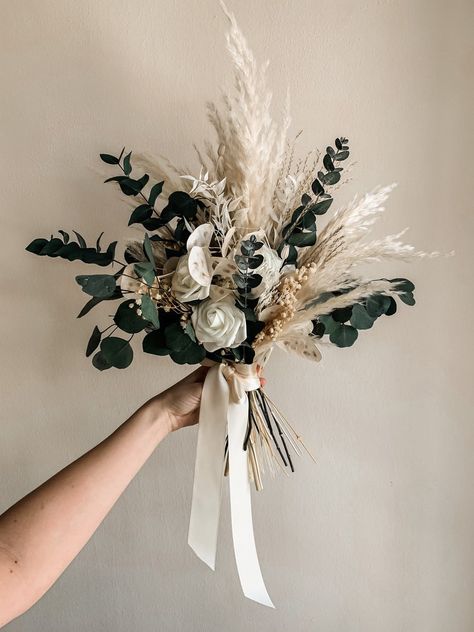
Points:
(219, 324)
(186, 287)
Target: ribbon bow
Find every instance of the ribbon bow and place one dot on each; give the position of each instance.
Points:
(224, 412)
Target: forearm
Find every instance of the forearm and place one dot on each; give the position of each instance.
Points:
(42, 533)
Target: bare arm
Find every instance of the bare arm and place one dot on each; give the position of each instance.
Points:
(42, 533)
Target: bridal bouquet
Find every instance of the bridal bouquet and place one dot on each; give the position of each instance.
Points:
(233, 261)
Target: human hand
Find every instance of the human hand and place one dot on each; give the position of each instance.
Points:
(179, 405)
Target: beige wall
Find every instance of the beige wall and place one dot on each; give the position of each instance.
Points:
(379, 534)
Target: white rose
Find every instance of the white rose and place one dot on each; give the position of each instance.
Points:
(269, 269)
(186, 284)
(219, 324)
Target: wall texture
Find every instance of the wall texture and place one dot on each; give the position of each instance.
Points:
(378, 534)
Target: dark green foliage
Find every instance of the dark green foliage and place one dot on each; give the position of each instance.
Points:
(149, 311)
(146, 271)
(180, 344)
(94, 341)
(140, 214)
(360, 318)
(154, 342)
(127, 318)
(328, 323)
(97, 285)
(254, 327)
(181, 204)
(99, 362)
(129, 186)
(246, 279)
(110, 160)
(342, 314)
(155, 191)
(407, 286)
(127, 165)
(95, 301)
(301, 231)
(343, 335)
(71, 250)
(376, 305)
(114, 352)
(361, 315)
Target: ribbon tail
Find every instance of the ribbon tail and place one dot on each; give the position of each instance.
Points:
(245, 550)
(208, 472)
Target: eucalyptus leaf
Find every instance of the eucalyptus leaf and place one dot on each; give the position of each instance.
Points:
(127, 166)
(109, 159)
(407, 298)
(182, 204)
(154, 223)
(94, 341)
(65, 235)
(344, 336)
(321, 207)
(128, 319)
(392, 307)
(117, 352)
(377, 304)
(148, 250)
(360, 318)
(327, 162)
(97, 243)
(183, 349)
(97, 285)
(308, 221)
(329, 323)
(317, 188)
(146, 271)
(133, 187)
(140, 214)
(80, 239)
(295, 218)
(149, 310)
(99, 362)
(175, 337)
(332, 177)
(318, 329)
(342, 314)
(403, 284)
(302, 239)
(255, 261)
(254, 280)
(193, 354)
(95, 301)
(154, 342)
(155, 191)
(72, 250)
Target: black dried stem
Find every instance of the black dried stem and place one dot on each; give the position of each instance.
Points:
(268, 416)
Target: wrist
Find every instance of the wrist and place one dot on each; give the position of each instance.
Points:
(156, 415)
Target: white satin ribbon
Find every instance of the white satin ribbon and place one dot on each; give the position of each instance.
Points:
(224, 410)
